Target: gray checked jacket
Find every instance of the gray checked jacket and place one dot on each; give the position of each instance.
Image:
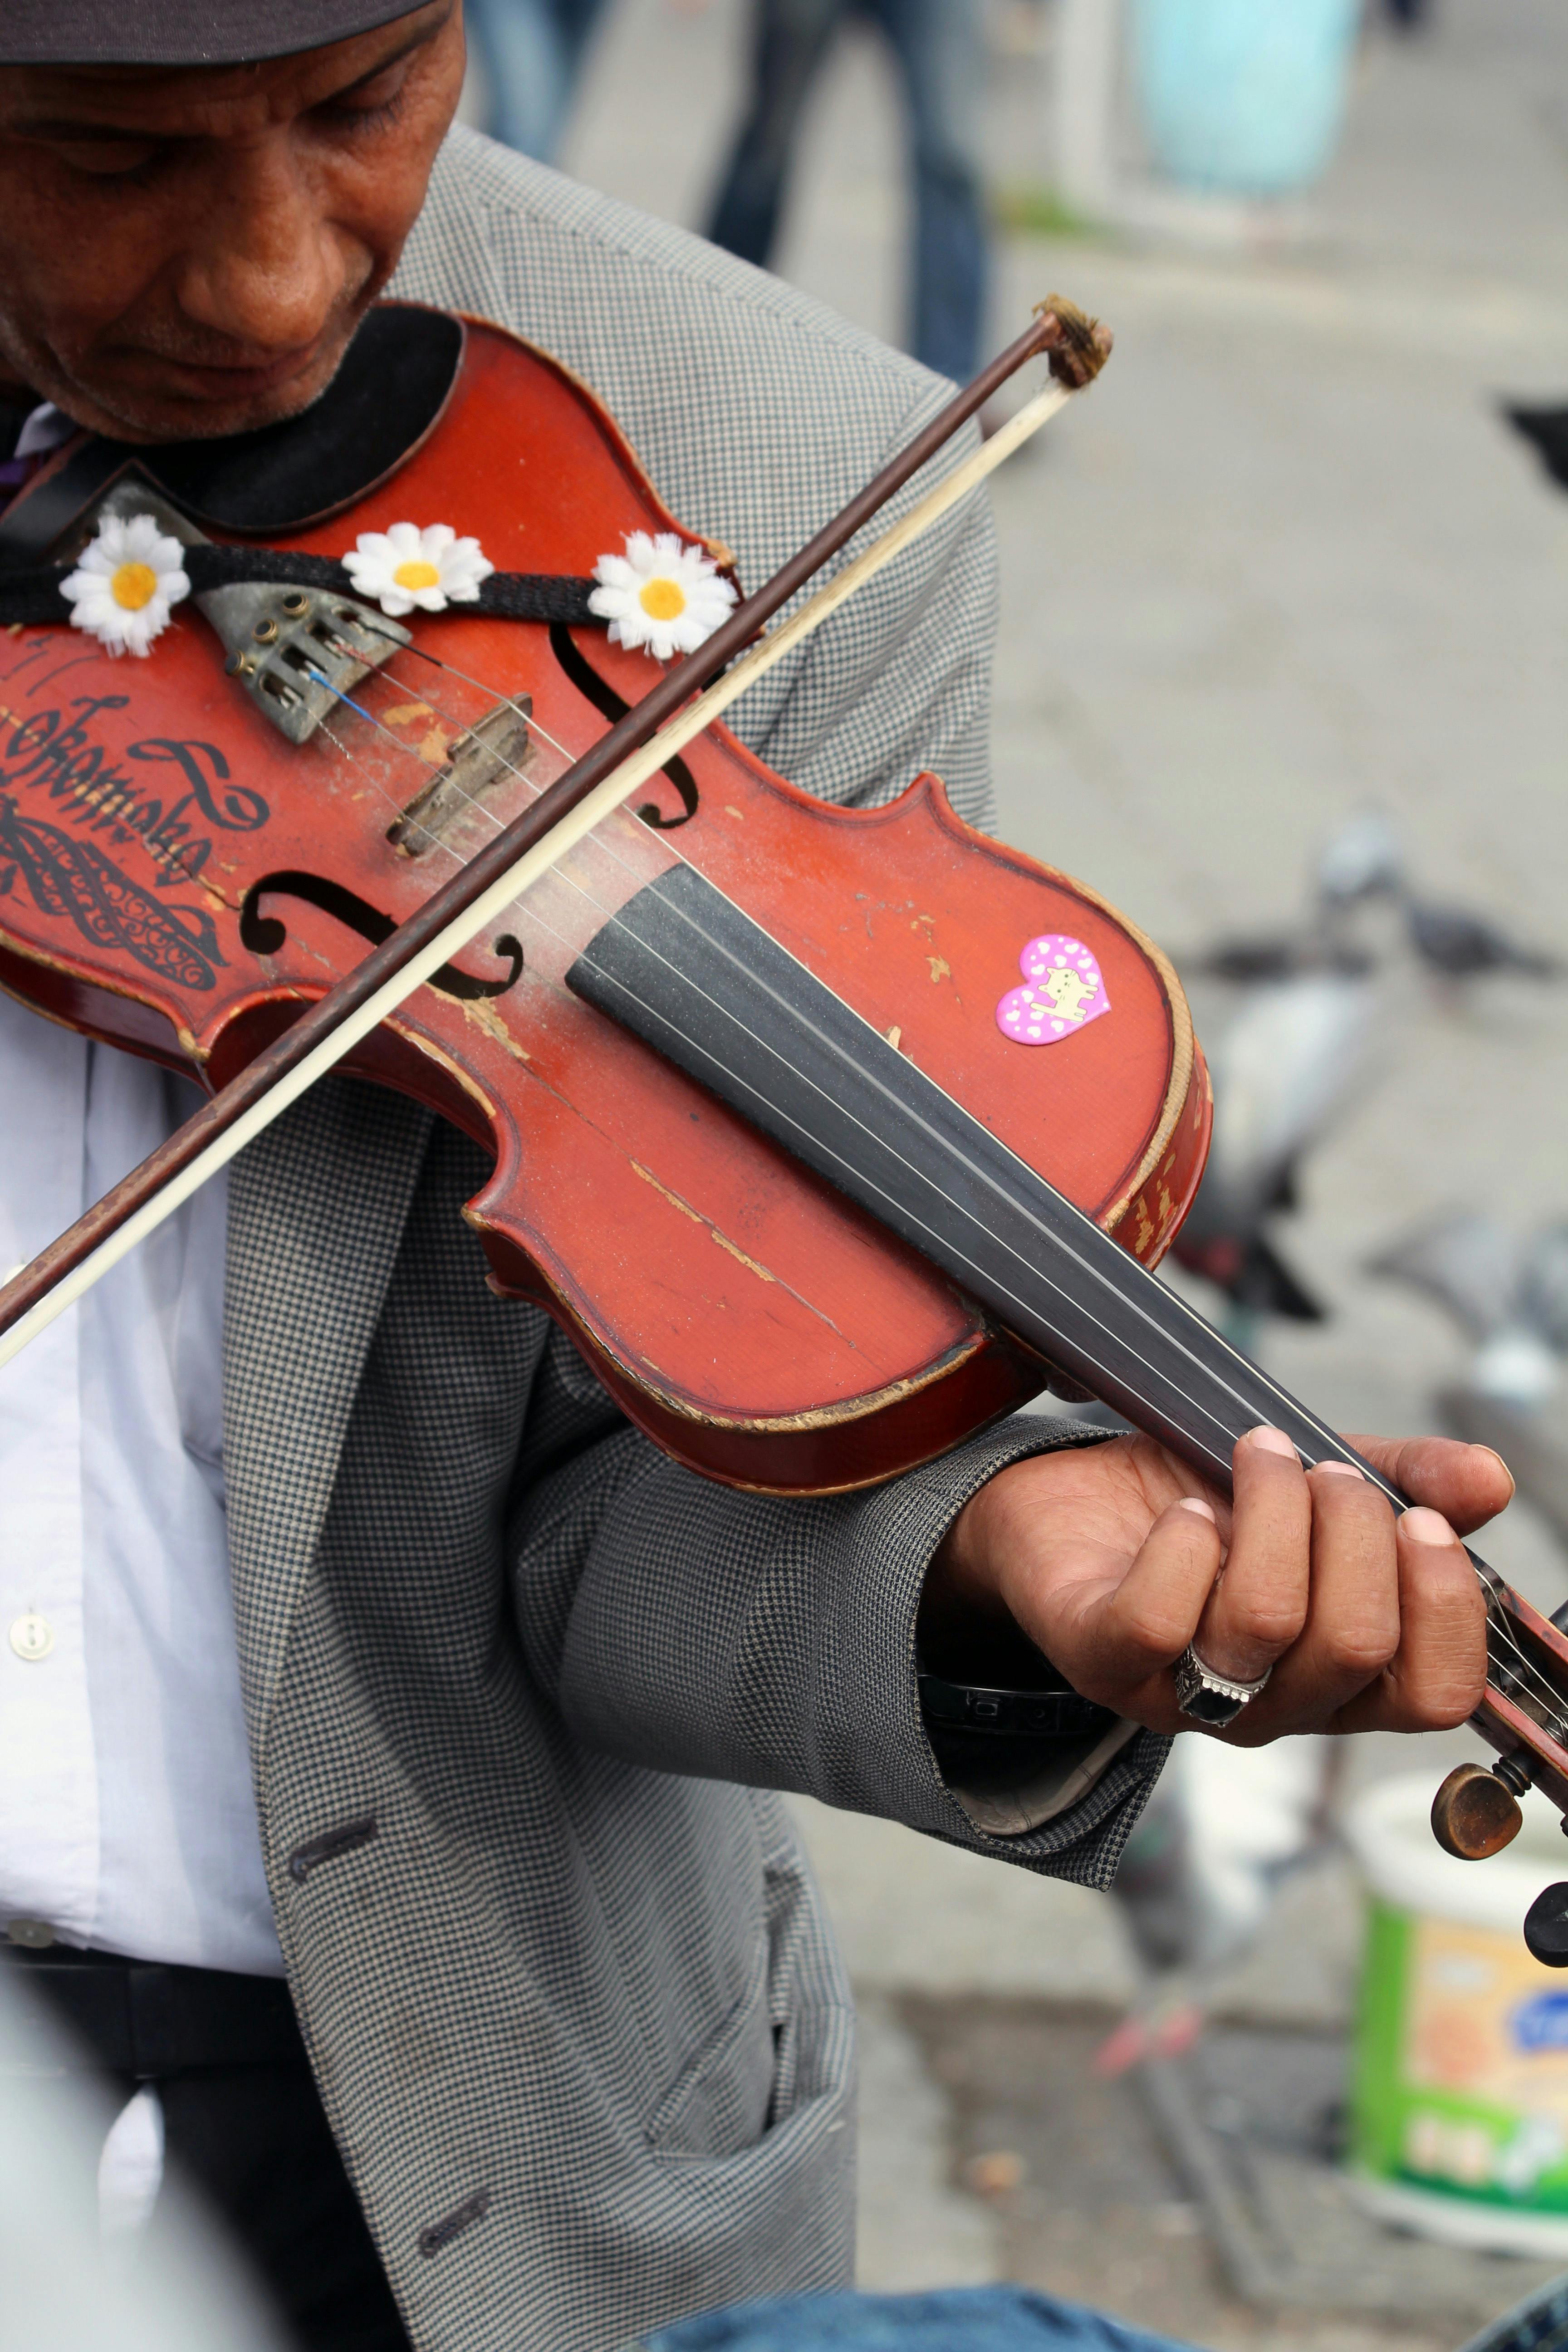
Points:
(519, 1690)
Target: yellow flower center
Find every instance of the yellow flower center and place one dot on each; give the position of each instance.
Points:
(417, 573)
(662, 600)
(133, 585)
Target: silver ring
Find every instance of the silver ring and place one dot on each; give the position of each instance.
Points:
(1208, 1697)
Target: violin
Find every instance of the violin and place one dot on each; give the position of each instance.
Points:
(829, 1135)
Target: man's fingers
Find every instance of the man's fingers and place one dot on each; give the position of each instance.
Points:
(1353, 1615)
(1259, 1605)
(1468, 1483)
(1436, 1674)
(1147, 1620)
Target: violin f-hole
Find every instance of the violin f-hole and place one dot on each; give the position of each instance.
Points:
(264, 935)
(608, 703)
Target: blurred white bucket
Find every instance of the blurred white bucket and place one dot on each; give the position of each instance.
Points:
(1459, 2078)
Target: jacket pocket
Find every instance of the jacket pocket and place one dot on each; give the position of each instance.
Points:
(718, 2105)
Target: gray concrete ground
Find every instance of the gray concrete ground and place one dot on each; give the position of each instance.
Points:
(1285, 563)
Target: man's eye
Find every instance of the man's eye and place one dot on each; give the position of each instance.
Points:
(106, 159)
(372, 103)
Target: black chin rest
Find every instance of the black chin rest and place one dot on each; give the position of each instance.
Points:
(392, 385)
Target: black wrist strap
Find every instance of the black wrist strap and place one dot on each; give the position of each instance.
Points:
(1013, 1713)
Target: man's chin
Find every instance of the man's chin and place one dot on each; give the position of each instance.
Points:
(179, 410)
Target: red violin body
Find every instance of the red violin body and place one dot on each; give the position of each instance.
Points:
(176, 876)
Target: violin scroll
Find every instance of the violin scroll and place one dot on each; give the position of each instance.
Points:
(1080, 345)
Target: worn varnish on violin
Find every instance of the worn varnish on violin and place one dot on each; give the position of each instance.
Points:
(183, 875)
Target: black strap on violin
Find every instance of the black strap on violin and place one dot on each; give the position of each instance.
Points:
(388, 395)
(33, 595)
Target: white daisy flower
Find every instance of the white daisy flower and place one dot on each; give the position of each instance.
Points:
(127, 580)
(663, 594)
(404, 567)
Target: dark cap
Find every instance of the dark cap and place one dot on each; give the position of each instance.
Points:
(182, 32)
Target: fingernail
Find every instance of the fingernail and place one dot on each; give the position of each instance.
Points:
(1426, 1527)
(1197, 1503)
(1339, 1469)
(1503, 1465)
(1270, 1441)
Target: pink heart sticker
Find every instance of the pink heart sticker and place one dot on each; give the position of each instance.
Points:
(1063, 991)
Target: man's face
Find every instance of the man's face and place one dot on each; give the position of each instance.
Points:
(187, 253)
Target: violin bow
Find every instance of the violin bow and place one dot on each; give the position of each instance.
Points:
(680, 706)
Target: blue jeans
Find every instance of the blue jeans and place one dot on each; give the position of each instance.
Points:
(952, 2319)
(1538, 2324)
(1005, 2319)
(940, 50)
(532, 53)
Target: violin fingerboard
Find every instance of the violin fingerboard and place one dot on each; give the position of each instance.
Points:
(685, 969)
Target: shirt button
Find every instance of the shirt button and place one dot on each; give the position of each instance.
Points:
(31, 1935)
(32, 1637)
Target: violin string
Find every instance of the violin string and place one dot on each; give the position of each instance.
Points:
(436, 662)
(609, 916)
(432, 838)
(320, 677)
(1540, 1690)
(1522, 1669)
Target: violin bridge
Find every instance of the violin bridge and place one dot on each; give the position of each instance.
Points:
(495, 751)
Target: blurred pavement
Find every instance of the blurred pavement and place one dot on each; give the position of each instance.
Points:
(1285, 560)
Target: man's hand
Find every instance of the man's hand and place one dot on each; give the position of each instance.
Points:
(1112, 1557)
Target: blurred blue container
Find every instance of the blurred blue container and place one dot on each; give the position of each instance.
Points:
(1246, 96)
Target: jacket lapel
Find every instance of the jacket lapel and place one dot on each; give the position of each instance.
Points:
(317, 1209)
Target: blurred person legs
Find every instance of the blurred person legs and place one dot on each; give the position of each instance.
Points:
(939, 46)
(242, 2124)
(789, 40)
(72, 2282)
(532, 52)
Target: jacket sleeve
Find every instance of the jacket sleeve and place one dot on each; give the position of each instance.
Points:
(683, 1626)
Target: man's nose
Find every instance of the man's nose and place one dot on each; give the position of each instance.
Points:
(264, 266)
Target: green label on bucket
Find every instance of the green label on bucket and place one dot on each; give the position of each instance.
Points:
(1460, 2080)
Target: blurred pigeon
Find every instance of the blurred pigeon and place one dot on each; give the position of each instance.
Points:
(1463, 1262)
(1458, 945)
(1543, 1286)
(1468, 1266)
(1223, 1828)
(1280, 1071)
(1547, 430)
(1361, 860)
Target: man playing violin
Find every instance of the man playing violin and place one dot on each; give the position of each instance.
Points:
(379, 1710)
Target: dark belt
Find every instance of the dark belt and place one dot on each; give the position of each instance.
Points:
(148, 2018)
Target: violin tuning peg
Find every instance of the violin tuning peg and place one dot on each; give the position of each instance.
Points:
(1546, 1926)
(1476, 1814)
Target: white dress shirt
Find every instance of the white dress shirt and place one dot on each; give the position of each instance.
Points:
(126, 1819)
